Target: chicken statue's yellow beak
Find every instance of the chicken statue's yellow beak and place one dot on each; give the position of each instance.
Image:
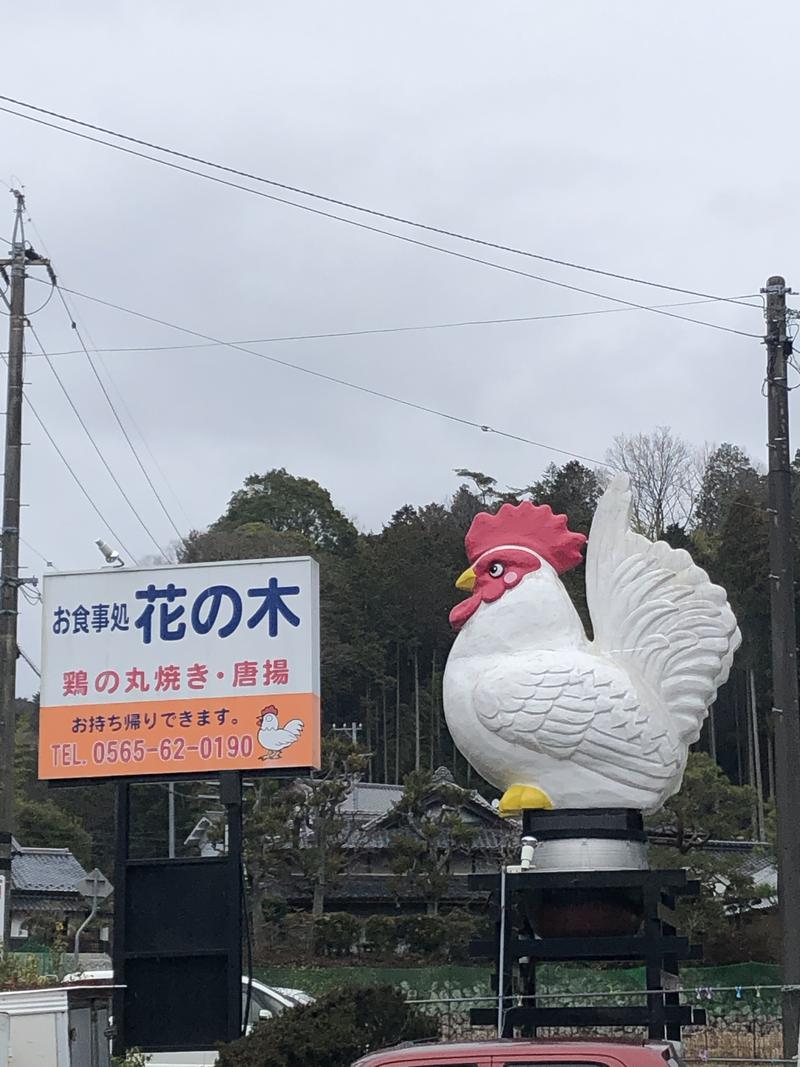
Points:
(466, 581)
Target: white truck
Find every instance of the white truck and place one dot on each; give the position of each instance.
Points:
(55, 1027)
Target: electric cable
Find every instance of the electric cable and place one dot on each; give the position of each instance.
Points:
(344, 382)
(245, 914)
(389, 233)
(74, 326)
(120, 423)
(336, 334)
(33, 596)
(29, 661)
(75, 477)
(36, 552)
(42, 306)
(96, 447)
(350, 206)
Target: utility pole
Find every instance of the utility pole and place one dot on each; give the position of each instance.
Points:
(21, 259)
(352, 728)
(784, 656)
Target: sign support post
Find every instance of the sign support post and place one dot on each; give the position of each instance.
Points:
(230, 793)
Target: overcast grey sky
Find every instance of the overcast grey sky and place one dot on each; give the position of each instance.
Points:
(648, 139)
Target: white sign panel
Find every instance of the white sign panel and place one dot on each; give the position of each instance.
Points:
(180, 670)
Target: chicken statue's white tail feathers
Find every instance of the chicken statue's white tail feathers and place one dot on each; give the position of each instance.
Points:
(654, 611)
(294, 727)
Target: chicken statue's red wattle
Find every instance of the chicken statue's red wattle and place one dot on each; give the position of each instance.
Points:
(553, 719)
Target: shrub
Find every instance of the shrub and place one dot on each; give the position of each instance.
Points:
(382, 933)
(132, 1058)
(290, 938)
(424, 934)
(333, 1032)
(335, 934)
(461, 927)
(274, 908)
(20, 972)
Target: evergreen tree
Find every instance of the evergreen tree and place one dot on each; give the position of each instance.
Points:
(429, 830)
(728, 474)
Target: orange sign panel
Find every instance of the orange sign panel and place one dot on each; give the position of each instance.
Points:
(180, 670)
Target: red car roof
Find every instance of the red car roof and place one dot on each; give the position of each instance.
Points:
(631, 1054)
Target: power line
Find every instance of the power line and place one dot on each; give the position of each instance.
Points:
(389, 233)
(29, 661)
(73, 319)
(132, 419)
(348, 204)
(75, 477)
(338, 381)
(96, 447)
(44, 303)
(33, 596)
(121, 425)
(335, 334)
(36, 552)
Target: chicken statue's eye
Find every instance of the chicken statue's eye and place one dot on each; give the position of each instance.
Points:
(496, 570)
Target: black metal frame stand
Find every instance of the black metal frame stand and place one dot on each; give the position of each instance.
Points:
(648, 902)
(177, 946)
(178, 924)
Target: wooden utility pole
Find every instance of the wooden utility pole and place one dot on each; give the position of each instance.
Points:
(784, 656)
(21, 259)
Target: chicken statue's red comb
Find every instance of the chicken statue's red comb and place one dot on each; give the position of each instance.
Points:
(529, 526)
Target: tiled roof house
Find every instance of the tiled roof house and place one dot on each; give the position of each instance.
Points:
(44, 884)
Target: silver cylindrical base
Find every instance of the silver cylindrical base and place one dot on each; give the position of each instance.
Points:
(590, 854)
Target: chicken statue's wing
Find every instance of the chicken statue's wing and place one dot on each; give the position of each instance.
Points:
(579, 711)
(657, 614)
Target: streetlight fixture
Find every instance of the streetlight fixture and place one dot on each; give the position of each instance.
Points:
(111, 556)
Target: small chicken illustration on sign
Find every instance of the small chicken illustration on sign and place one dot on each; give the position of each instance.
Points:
(555, 720)
(272, 736)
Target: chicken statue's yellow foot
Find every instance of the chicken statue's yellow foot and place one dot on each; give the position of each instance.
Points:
(522, 798)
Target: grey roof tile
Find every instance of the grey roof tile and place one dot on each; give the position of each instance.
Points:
(45, 870)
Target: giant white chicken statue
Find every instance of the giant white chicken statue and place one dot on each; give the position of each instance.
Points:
(553, 719)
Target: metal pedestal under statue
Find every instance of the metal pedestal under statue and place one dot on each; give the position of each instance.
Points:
(583, 892)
